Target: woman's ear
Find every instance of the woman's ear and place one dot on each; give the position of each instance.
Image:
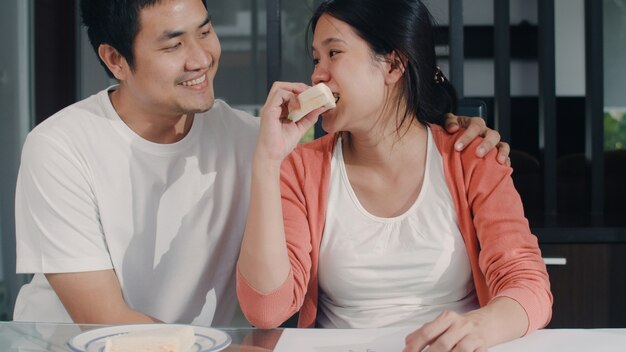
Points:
(395, 66)
(115, 62)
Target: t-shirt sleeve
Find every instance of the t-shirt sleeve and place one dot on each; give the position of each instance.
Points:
(56, 211)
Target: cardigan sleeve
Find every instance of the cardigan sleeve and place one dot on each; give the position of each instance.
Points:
(509, 255)
(269, 310)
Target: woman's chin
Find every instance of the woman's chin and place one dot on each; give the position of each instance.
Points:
(328, 125)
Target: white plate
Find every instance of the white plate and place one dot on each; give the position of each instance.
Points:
(207, 339)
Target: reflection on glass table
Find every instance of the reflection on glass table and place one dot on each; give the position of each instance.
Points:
(35, 337)
(39, 337)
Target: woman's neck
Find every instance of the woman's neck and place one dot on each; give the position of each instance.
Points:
(388, 149)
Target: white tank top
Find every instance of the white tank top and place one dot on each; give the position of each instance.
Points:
(405, 270)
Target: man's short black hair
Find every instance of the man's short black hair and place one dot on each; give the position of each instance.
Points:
(116, 23)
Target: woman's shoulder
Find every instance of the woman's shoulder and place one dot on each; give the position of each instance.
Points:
(445, 141)
(311, 158)
(465, 159)
(319, 148)
(323, 143)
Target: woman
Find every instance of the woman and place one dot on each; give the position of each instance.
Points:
(384, 223)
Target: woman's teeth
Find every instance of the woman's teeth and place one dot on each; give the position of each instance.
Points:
(194, 82)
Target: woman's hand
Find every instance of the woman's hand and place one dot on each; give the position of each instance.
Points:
(503, 319)
(449, 332)
(278, 136)
(474, 127)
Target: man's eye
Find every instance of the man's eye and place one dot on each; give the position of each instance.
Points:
(173, 47)
(205, 34)
(333, 53)
(316, 61)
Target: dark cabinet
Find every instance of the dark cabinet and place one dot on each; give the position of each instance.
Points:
(590, 288)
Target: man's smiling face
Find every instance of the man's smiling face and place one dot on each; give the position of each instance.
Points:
(176, 57)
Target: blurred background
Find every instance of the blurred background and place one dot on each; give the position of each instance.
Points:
(550, 75)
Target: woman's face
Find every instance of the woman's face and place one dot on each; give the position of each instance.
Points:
(345, 63)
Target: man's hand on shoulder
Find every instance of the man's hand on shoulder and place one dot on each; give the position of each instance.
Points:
(475, 127)
(95, 297)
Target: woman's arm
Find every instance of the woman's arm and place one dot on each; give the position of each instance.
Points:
(264, 264)
(503, 319)
(509, 260)
(263, 260)
(509, 256)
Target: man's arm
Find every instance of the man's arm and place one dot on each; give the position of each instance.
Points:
(95, 297)
(474, 127)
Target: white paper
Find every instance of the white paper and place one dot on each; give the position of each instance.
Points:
(392, 340)
(571, 340)
(342, 340)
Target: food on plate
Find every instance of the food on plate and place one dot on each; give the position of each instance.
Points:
(160, 339)
(317, 96)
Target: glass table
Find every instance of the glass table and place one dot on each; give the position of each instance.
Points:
(36, 337)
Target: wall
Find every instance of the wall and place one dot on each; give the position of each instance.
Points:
(570, 45)
(479, 78)
(615, 54)
(15, 119)
(90, 75)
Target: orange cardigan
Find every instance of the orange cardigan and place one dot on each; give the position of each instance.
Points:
(504, 255)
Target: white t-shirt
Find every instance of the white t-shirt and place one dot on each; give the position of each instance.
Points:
(168, 218)
(400, 271)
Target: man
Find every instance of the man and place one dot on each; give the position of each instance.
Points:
(130, 204)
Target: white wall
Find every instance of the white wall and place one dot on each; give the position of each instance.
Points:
(480, 12)
(570, 47)
(569, 38)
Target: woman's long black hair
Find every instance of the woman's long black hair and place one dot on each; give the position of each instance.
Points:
(405, 27)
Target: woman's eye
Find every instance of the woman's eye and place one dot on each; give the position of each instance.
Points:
(316, 61)
(333, 53)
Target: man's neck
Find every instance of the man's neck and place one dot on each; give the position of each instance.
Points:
(156, 128)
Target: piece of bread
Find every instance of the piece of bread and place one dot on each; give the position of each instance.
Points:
(160, 339)
(317, 96)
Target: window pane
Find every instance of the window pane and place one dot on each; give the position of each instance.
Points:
(615, 108)
(296, 60)
(614, 74)
(242, 75)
